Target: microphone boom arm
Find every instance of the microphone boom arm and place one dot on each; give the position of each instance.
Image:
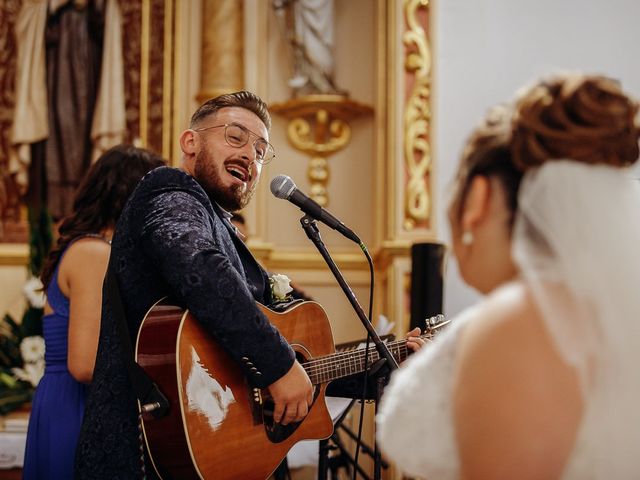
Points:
(311, 229)
(283, 187)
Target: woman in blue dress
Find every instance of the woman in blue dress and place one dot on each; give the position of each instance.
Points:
(72, 278)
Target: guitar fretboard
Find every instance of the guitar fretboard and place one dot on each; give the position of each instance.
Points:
(338, 365)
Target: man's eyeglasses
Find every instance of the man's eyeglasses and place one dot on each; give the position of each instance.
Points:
(238, 136)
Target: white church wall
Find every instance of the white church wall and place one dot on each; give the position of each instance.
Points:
(486, 49)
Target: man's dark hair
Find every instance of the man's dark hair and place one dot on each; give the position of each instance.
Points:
(242, 99)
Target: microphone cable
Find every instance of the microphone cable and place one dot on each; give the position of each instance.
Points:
(363, 247)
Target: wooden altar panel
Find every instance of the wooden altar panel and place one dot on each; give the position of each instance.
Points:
(148, 92)
(12, 229)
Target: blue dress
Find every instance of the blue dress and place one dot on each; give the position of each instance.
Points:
(58, 403)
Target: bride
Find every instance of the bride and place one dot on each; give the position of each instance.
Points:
(540, 380)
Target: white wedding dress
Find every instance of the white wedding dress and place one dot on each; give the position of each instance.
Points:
(576, 242)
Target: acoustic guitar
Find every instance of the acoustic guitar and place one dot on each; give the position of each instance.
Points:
(219, 426)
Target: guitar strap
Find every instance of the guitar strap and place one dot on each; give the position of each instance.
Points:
(151, 399)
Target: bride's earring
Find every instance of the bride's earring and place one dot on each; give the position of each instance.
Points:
(467, 238)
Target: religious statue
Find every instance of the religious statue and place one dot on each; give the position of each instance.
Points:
(69, 91)
(319, 112)
(308, 29)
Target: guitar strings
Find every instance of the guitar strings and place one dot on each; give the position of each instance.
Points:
(339, 356)
(319, 367)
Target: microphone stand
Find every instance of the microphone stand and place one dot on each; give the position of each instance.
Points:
(383, 367)
(311, 229)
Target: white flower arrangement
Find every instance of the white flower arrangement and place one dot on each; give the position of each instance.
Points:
(32, 350)
(280, 286)
(33, 290)
(31, 372)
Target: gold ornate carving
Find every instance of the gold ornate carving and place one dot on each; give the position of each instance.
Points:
(417, 151)
(328, 136)
(319, 127)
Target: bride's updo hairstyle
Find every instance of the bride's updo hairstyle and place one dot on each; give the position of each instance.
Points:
(584, 118)
(487, 152)
(576, 117)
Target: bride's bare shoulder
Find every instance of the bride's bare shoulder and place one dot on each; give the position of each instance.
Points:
(510, 307)
(513, 393)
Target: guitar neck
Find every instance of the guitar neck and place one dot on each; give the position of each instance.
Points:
(338, 365)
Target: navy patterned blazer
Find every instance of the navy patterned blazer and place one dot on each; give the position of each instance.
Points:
(171, 240)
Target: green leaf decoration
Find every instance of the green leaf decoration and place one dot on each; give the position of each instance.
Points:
(40, 238)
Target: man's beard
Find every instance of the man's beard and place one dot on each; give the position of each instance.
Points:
(230, 198)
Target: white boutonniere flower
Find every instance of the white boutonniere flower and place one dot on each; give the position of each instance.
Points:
(280, 286)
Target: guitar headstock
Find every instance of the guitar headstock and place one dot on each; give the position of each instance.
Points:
(433, 324)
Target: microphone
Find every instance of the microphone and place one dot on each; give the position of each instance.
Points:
(283, 187)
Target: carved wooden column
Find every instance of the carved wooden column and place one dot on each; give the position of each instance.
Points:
(222, 61)
(404, 172)
(417, 118)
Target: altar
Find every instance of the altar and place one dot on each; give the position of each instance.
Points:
(13, 436)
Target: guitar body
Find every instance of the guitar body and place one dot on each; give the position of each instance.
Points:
(218, 426)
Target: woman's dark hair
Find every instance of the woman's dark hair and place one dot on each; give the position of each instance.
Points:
(242, 99)
(101, 196)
